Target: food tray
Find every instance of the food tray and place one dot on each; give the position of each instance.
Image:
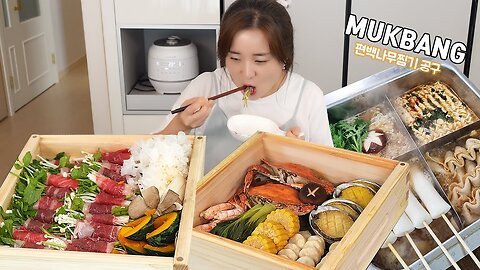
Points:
(48, 146)
(387, 85)
(209, 251)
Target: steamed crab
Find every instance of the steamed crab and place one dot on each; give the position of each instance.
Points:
(279, 184)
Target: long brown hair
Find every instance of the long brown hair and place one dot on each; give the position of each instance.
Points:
(269, 17)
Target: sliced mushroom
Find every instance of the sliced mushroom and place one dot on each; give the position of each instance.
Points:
(137, 208)
(151, 197)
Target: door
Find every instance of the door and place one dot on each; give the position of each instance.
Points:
(3, 100)
(28, 49)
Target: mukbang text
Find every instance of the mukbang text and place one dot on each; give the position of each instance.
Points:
(405, 38)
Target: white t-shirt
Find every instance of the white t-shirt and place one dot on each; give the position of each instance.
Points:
(311, 116)
(283, 107)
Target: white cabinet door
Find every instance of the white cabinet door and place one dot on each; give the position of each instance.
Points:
(155, 12)
(318, 33)
(475, 65)
(443, 18)
(142, 124)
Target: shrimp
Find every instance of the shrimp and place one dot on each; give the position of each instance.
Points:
(210, 212)
(229, 214)
(207, 227)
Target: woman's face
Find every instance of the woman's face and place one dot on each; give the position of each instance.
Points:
(250, 63)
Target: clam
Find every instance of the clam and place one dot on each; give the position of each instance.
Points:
(352, 208)
(358, 193)
(367, 183)
(330, 222)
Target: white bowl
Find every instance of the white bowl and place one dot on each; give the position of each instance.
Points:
(242, 126)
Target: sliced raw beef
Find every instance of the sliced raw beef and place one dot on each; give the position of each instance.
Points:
(47, 202)
(111, 187)
(28, 236)
(23, 244)
(105, 198)
(93, 245)
(95, 208)
(45, 215)
(61, 182)
(56, 192)
(35, 225)
(107, 219)
(116, 157)
(112, 171)
(86, 229)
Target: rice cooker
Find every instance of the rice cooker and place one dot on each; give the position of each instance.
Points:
(172, 64)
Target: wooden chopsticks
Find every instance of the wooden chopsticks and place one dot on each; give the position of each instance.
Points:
(181, 109)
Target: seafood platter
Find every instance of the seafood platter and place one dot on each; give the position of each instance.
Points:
(101, 201)
(283, 203)
(432, 123)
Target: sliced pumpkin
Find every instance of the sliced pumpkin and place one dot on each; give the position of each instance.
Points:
(141, 227)
(121, 235)
(166, 226)
(135, 247)
(166, 251)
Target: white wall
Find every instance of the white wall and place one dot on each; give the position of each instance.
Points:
(68, 34)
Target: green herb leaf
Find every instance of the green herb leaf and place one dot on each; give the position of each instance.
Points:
(65, 162)
(77, 204)
(27, 159)
(120, 211)
(98, 155)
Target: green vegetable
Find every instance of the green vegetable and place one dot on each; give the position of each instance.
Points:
(350, 134)
(240, 228)
(86, 186)
(6, 232)
(120, 211)
(166, 227)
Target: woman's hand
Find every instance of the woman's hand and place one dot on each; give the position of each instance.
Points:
(196, 113)
(193, 116)
(295, 132)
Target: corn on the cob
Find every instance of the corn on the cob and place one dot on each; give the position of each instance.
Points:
(274, 231)
(287, 218)
(261, 242)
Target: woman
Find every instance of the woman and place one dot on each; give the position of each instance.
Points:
(255, 48)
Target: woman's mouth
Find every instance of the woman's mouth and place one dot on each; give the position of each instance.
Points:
(250, 88)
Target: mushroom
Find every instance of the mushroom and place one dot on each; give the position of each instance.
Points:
(151, 197)
(376, 140)
(312, 193)
(137, 208)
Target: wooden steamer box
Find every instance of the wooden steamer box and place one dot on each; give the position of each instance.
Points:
(359, 245)
(48, 146)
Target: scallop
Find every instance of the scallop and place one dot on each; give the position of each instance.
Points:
(298, 240)
(316, 245)
(306, 260)
(316, 238)
(311, 252)
(293, 247)
(288, 253)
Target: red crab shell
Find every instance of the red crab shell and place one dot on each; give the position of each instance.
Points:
(292, 174)
(281, 196)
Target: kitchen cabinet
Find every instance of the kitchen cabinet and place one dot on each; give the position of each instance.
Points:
(128, 30)
(142, 124)
(446, 19)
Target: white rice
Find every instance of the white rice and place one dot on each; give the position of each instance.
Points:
(157, 161)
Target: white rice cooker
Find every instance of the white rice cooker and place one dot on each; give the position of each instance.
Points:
(172, 64)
